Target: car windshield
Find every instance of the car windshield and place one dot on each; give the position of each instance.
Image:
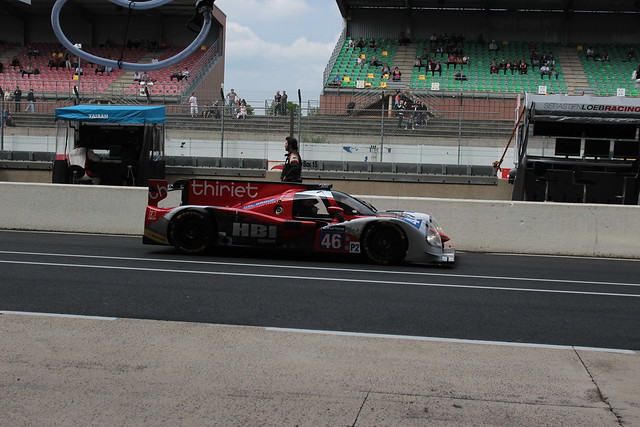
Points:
(353, 206)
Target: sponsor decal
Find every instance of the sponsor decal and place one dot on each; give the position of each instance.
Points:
(591, 107)
(98, 116)
(413, 221)
(224, 189)
(254, 230)
(260, 203)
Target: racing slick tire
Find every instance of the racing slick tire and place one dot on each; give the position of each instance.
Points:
(192, 231)
(385, 243)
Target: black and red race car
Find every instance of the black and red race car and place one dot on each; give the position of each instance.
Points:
(291, 216)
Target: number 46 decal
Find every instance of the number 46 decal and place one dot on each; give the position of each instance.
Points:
(331, 241)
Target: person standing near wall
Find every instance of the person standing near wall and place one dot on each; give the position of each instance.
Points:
(32, 102)
(193, 102)
(17, 97)
(292, 170)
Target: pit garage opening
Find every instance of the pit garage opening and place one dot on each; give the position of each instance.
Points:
(124, 145)
(579, 149)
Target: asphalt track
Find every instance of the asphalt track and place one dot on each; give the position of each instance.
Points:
(101, 330)
(578, 302)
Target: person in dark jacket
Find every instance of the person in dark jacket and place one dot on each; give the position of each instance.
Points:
(293, 163)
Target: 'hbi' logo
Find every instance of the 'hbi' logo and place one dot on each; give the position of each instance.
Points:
(254, 230)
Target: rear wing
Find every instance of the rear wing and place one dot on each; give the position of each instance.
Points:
(222, 192)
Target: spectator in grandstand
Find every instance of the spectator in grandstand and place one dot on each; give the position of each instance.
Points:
(137, 76)
(604, 57)
(544, 71)
(396, 76)
(418, 63)
(33, 52)
(493, 66)
(54, 62)
(7, 119)
(232, 97)
(15, 62)
(374, 62)
(211, 110)
(589, 53)
(360, 43)
(32, 102)
(1, 67)
(193, 103)
(372, 43)
(451, 60)
(285, 99)
(359, 60)
(242, 112)
(493, 46)
(631, 54)
(352, 43)
(400, 112)
(386, 69)
(100, 69)
(277, 103)
(337, 80)
(553, 73)
(176, 75)
(551, 60)
(185, 73)
(509, 66)
(459, 76)
(437, 68)
(522, 66)
(17, 98)
(67, 61)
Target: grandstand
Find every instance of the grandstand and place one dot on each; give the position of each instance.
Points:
(159, 34)
(559, 28)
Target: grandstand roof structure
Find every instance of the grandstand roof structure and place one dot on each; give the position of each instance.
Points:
(619, 6)
(90, 8)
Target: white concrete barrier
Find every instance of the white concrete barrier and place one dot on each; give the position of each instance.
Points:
(474, 225)
(73, 208)
(530, 227)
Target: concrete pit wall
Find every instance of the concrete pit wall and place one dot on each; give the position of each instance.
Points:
(474, 225)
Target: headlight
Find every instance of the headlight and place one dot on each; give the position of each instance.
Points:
(433, 237)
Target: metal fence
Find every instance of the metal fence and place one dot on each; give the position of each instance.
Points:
(462, 136)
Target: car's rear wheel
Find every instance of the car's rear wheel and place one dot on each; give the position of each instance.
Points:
(192, 232)
(385, 243)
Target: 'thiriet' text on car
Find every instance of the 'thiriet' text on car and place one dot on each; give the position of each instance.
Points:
(290, 216)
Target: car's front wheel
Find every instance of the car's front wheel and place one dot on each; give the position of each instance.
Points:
(192, 231)
(385, 243)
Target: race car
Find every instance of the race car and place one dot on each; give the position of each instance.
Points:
(291, 216)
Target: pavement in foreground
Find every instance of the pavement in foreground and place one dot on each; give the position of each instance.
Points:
(79, 371)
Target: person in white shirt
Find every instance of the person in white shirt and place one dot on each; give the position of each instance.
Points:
(193, 102)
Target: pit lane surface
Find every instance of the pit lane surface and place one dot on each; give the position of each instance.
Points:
(490, 297)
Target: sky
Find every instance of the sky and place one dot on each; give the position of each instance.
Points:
(278, 45)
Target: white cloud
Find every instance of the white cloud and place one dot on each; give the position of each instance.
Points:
(283, 44)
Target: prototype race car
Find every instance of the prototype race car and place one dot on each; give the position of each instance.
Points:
(291, 216)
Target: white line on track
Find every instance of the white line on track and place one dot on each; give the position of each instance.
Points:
(68, 316)
(332, 269)
(451, 340)
(324, 279)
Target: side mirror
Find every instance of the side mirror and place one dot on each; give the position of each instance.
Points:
(336, 212)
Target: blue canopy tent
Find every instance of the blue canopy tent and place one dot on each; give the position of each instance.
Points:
(129, 141)
(120, 114)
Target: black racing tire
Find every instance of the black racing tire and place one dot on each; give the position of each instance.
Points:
(192, 231)
(385, 243)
